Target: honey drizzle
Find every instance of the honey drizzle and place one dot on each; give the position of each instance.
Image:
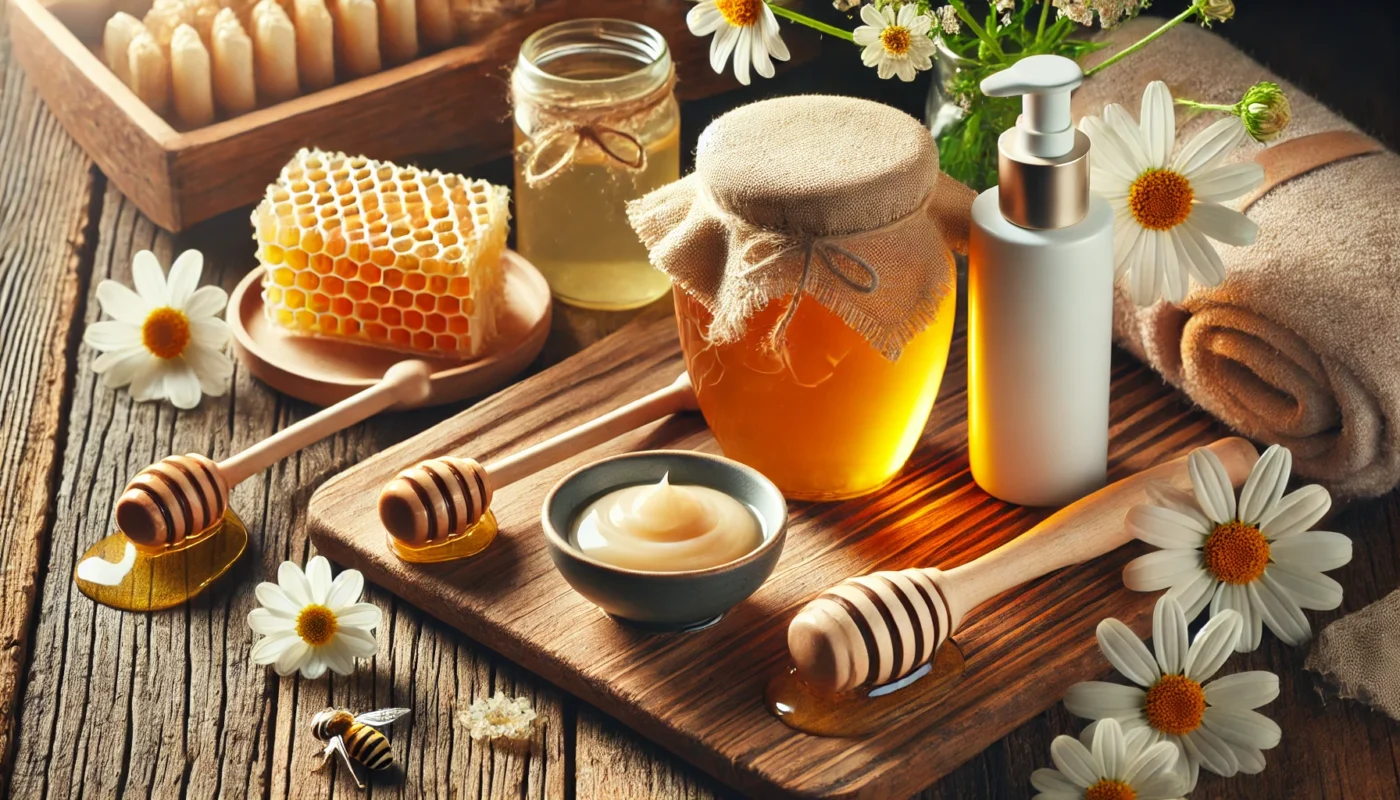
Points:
(861, 712)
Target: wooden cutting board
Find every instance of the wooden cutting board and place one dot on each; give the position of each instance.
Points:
(700, 694)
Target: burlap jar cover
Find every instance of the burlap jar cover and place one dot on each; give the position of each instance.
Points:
(835, 198)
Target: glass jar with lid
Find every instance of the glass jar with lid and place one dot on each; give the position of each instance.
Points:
(596, 125)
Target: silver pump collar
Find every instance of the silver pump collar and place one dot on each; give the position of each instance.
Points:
(1042, 193)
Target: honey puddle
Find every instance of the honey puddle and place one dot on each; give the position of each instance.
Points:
(863, 711)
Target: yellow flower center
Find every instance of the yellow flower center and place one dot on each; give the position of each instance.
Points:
(316, 625)
(1175, 704)
(896, 40)
(166, 332)
(740, 13)
(1109, 789)
(1236, 552)
(1160, 199)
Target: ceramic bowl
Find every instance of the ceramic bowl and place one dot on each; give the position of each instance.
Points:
(667, 601)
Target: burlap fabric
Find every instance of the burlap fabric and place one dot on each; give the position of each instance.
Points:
(1300, 345)
(834, 198)
(1359, 655)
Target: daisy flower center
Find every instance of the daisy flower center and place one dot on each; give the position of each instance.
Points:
(316, 624)
(166, 332)
(1175, 705)
(1109, 789)
(739, 13)
(896, 40)
(1160, 199)
(1236, 552)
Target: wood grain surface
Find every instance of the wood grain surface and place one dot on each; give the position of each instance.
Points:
(699, 694)
(109, 705)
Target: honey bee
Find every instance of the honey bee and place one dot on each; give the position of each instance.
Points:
(356, 737)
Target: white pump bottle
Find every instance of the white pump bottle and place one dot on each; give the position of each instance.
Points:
(1040, 302)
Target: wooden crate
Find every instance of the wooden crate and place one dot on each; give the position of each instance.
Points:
(450, 100)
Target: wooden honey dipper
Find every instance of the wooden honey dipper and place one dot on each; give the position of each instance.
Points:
(444, 497)
(878, 628)
(182, 496)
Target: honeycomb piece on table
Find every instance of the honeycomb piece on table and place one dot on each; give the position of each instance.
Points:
(384, 255)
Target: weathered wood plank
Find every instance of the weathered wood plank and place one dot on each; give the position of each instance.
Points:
(168, 704)
(46, 187)
(613, 763)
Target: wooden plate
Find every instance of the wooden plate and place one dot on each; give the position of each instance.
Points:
(325, 371)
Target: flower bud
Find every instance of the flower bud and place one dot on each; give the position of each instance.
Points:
(1217, 10)
(1264, 110)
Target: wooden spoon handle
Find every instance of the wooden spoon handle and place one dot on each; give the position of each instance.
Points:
(679, 396)
(1076, 533)
(404, 382)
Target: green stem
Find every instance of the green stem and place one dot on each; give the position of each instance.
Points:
(1144, 41)
(1044, 14)
(1234, 109)
(803, 19)
(981, 32)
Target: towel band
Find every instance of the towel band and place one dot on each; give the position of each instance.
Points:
(1287, 160)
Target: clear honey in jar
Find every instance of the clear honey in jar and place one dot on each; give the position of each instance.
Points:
(596, 125)
(825, 416)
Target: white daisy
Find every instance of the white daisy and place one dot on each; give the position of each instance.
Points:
(895, 42)
(1211, 724)
(165, 338)
(1167, 209)
(1116, 766)
(309, 622)
(1255, 556)
(746, 28)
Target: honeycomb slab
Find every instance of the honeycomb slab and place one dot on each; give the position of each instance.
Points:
(384, 255)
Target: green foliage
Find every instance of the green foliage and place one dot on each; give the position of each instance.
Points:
(968, 149)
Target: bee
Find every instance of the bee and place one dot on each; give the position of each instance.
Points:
(356, 737)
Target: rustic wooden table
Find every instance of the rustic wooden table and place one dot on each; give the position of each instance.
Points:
(95, 703)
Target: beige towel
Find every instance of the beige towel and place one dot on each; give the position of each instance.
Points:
(1301, 343)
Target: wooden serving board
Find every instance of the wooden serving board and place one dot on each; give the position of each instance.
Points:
(700, 694)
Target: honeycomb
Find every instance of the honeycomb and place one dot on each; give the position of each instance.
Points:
(383, 255)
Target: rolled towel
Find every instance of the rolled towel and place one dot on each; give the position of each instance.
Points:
(1300, 345)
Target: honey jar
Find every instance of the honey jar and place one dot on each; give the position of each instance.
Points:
(811, 252)
(596, 125)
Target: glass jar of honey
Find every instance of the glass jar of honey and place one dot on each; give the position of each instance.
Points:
(596, 125)
(815, 286)
(825, 416)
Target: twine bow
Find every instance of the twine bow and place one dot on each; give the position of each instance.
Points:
(563, 123)
(824, 248)
(575, 135)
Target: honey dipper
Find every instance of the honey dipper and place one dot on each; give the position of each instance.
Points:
(182, 496)
(444, 497)
(880, 627)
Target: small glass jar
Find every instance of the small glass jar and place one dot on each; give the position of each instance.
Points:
(596, 125)
(825, 416)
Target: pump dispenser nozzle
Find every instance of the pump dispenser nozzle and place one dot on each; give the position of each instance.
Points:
(1043, 168)
(1044, 82)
